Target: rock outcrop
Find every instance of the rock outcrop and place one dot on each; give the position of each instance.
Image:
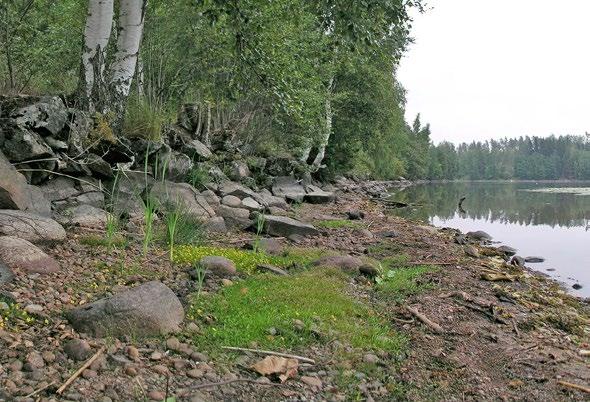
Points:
(150, 309)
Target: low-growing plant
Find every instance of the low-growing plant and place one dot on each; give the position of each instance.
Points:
(172, 218)
(200, 278)
(245, 311)
(143, 119)
(198, 177)
(338, 223)
(260, 221)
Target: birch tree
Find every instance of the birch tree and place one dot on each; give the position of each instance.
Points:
(97, 33)
(106, 88)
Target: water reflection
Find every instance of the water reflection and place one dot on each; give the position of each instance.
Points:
(497, 202)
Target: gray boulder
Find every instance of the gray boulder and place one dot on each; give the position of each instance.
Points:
(239, 170)
(184, 195)
(507, 250)
(251, 204)
(316, 195)
(59, 188)
(289, 188)
(47, 115)
(219, 266)
(31, 227)
(99, 167)
(150, 309)
(231, 201)
(215, 225)
(83, 215)
(285, 226)
(479, 235)
(211, 198)
(15, 193)
(238, 218)
(196, 149)
(534, 259)
(20, 254)
(268, 245)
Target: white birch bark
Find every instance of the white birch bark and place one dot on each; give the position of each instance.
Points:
(97, 32)
(319, 158)
(130, 30)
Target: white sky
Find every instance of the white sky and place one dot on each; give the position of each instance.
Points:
(494, 68)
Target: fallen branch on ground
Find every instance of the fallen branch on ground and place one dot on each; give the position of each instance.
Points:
(574, 386)
(70, 380)
(432, 263)
(491, 316)
(40, 389)
(434, 326)
(269, 352)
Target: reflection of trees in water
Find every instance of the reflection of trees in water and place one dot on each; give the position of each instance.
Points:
(496, 202)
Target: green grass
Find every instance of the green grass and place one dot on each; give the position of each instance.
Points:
(338, 224)
(244, 312)
(399, 280)
(247, 260)
(117, 241)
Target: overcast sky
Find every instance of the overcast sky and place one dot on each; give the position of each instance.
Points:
(493, 68)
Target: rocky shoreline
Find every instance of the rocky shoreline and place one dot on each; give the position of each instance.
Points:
(356, 302)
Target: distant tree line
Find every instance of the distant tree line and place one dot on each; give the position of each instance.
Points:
(524, 158)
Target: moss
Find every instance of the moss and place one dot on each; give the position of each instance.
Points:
(247, 260)
(102, 130)
(244, 312)
(338, 224)
(91, 240)
(398, 280)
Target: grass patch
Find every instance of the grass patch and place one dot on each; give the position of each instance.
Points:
(244, 313)
(247, 260)
(338, 224)
(399, 280)
(117, 241)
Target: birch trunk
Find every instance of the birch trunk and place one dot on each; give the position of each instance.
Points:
(130, 30)
(97, 32)
(319, 158)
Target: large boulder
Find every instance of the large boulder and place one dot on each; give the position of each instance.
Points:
(239, 170)
(20, 254)
(31, 227)
(15, 193)
(289, 188)
(219, 266)
(184, 195)
(83, 215)
(196, 149)
(150, 309)
(59, 189)
(316, 195)
(285, 226)
(46, 115)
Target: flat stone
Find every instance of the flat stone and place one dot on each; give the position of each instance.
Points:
(479, 235)
(182, 194)
(251, 204)
(220, 266)
(235, 217)
(215, 225)
(231, 201)
(83, 216)
(289, 188)
(268, 245)
(150, 309)
(31, 227)
(16, 193)
(271, 269)
(285, 226)
(20, 254)
(316, 195)
(507, 250)
(534, 260)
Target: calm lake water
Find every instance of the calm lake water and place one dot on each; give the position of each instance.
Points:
(554, 225)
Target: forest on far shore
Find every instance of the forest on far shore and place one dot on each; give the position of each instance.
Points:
(525, 158)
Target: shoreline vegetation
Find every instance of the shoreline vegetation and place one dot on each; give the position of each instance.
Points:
(372, 306)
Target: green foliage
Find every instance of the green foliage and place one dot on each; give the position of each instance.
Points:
(143, 119)
(246, 260)
(198, 176)
(402, 281)
(244, 313)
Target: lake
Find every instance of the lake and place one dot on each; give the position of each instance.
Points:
(551, 220)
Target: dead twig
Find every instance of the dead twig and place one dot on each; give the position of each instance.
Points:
(40, 389)
(403, 321)
(269, 352)
(431, 324)
(515, 327)
(491, 316)
(574, 386)
(70, 380)
(433, 263)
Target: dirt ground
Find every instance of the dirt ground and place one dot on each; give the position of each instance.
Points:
(518, 339)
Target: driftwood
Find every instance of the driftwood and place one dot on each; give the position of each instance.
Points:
(574, 386)
(270, 352)
(431, 324)
(73, 377)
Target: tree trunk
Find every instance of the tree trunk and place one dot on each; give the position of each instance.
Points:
(97, 32)
(130, 29)
(319, 158)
